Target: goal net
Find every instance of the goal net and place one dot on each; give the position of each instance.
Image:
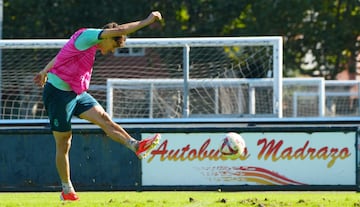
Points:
(157, 77)
(198, 77)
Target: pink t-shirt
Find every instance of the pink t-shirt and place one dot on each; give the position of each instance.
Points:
(75, 66)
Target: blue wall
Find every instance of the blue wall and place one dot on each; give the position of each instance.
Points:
(27, 156)
(27, 161)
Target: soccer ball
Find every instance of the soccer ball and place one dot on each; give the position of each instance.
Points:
(232, 146)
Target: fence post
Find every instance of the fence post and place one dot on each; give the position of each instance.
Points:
(278, 78)
(322, 98)
(186, 68)
(109, 98)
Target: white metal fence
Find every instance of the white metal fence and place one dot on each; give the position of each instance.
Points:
(302, 97)
(181, 78)
(213, 59)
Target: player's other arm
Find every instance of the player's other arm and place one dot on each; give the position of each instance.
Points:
(128, 28)
(40, 77)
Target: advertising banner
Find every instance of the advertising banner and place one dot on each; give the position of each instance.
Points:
(270, 158)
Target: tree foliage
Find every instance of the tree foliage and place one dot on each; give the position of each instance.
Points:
(326, 31)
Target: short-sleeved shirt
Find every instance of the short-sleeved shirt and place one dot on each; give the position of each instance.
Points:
(87, 39)
(60, 100)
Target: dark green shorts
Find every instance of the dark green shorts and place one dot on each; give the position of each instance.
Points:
(62, 105)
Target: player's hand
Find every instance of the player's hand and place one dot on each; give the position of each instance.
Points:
(40, 79)
(154, 16)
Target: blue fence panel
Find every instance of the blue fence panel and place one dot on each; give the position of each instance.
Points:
(27, 162)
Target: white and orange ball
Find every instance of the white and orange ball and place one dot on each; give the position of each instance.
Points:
(232, 145)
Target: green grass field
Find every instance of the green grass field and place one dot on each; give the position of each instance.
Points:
(185, 199)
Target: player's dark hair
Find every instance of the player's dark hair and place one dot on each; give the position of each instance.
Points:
(110, 25)
(120, 39)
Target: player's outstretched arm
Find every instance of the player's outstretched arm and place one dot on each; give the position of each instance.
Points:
(128, 28)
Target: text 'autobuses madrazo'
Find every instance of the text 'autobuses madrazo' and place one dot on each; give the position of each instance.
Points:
(269, 149)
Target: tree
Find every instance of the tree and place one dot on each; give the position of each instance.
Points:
(59, 18)
(320, 37)
(326, 31)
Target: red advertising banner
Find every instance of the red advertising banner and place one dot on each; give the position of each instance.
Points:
(274, 158)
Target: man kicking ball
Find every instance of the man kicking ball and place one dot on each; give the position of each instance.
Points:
(66, 79)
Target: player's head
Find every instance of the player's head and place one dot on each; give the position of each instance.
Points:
(120, 40)
(110, 44)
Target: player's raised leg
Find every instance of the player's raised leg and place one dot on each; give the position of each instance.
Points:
(146, 145)
(98, 116)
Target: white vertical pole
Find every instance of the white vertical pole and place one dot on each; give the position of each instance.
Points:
(186, 68)
(321, 97)
(109, 98)
(216, 100)
(252, 106)
(278, 80)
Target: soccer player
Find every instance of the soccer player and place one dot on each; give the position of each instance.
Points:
(66, 79)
